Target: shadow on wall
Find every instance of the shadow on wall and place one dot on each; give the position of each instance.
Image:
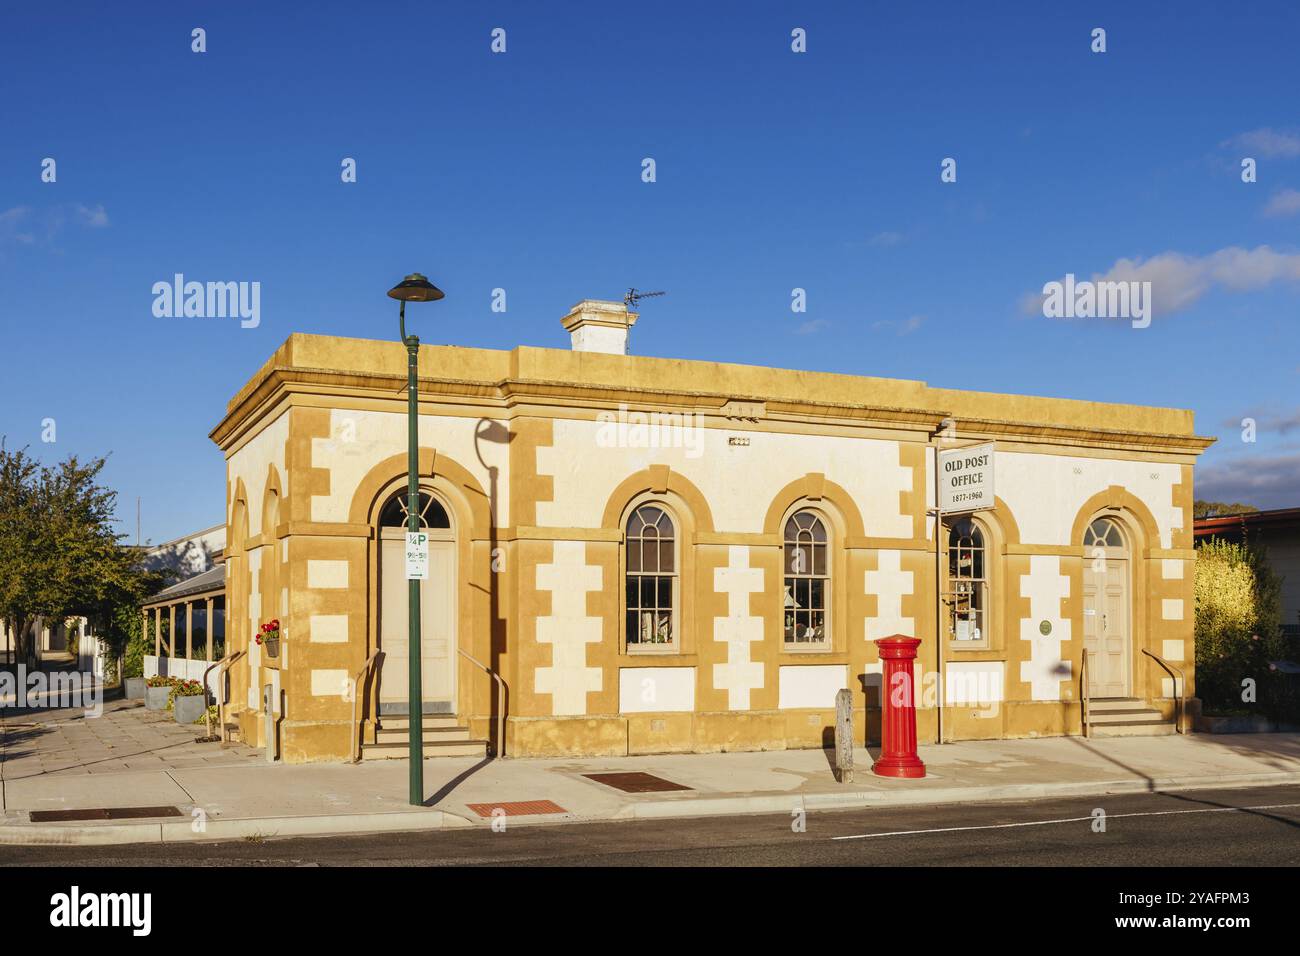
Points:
(184, 558)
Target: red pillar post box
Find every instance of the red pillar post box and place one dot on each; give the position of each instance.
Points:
(898, 709)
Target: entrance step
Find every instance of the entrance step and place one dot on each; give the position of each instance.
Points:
(432, 748)
(442, 737)
(390, 735)
(1126, 717)
(430, 722)
(1118, 703)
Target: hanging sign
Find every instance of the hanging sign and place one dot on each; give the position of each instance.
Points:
(417, 555)
(966, 479)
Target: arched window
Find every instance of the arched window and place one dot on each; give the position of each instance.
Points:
(1103, 533)
(968, 584)
(807, 580)
(651, 569)
(432, 513)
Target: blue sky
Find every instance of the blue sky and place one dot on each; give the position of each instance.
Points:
(775, 170)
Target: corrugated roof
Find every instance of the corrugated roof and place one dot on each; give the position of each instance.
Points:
(214, 579)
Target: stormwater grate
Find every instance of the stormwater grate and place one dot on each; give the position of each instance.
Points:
(519, 808)
(103, 813)
(636, 782)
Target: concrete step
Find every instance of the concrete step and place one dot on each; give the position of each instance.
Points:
(1148, 714)
(430, 722)
(401, 735)
(1118, 703)
(432, 748)
(1135, 728)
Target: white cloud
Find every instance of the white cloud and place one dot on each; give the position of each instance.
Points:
(1179, 280)
(11, 225)
(887, 238)
(1284, 203)
(41, 227)
(1265, 481)
(811, 326)
(1266, 142)
(96, 217)
(900, 326)
(1270, 420)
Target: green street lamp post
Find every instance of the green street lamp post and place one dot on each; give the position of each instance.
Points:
(414, 288)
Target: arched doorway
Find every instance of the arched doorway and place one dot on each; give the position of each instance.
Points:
(1107, 614)
(437, 609)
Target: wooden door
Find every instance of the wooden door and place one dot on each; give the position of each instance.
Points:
(437, 626)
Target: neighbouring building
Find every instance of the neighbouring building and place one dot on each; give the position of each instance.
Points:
(657, 555)
(1278, 531)
(186, 620)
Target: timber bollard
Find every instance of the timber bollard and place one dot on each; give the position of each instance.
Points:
(844, 734)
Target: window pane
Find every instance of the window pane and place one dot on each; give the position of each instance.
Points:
(819, 559)
(634, 555)
(817, 594)
(633, 637)
(666, 556)
(665, 595)
(649, 555)
(633, 592)
(818, 625)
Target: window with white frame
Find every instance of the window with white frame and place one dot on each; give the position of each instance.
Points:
(650, 551)
(807, 580)
(967, 583)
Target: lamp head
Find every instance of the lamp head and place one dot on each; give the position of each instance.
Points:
(415, 288)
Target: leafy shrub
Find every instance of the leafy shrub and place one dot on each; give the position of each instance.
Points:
(187, 688)
(1238, 631)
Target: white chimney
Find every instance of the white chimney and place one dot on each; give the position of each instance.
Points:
(598, 326)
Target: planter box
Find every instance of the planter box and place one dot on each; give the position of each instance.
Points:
(135, 688)
(190, 709)
(155, 698)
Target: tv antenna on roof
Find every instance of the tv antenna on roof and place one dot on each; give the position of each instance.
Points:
(633, 297)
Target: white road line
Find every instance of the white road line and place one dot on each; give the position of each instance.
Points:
(1042, 823)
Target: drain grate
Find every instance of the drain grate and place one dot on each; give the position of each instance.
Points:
(636, 782)
(519, 808)
(103, 813)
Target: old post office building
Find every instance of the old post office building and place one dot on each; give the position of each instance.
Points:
(642, 555)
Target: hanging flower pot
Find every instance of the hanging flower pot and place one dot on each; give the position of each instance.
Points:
(269, 638)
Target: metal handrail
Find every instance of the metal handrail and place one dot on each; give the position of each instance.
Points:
(1180, 688)
(356, 692)
(1083, 694)
(225, 662)
(501, 700)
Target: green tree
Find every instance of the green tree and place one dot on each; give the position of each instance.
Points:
(1218, 509)
(1238, 625)
(59, 554)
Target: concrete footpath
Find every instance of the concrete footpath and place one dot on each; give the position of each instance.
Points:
(217, 798)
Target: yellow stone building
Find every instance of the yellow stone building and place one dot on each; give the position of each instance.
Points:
(642, 555)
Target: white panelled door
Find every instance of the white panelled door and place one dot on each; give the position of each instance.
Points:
(437, 625)
(1106, 636)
